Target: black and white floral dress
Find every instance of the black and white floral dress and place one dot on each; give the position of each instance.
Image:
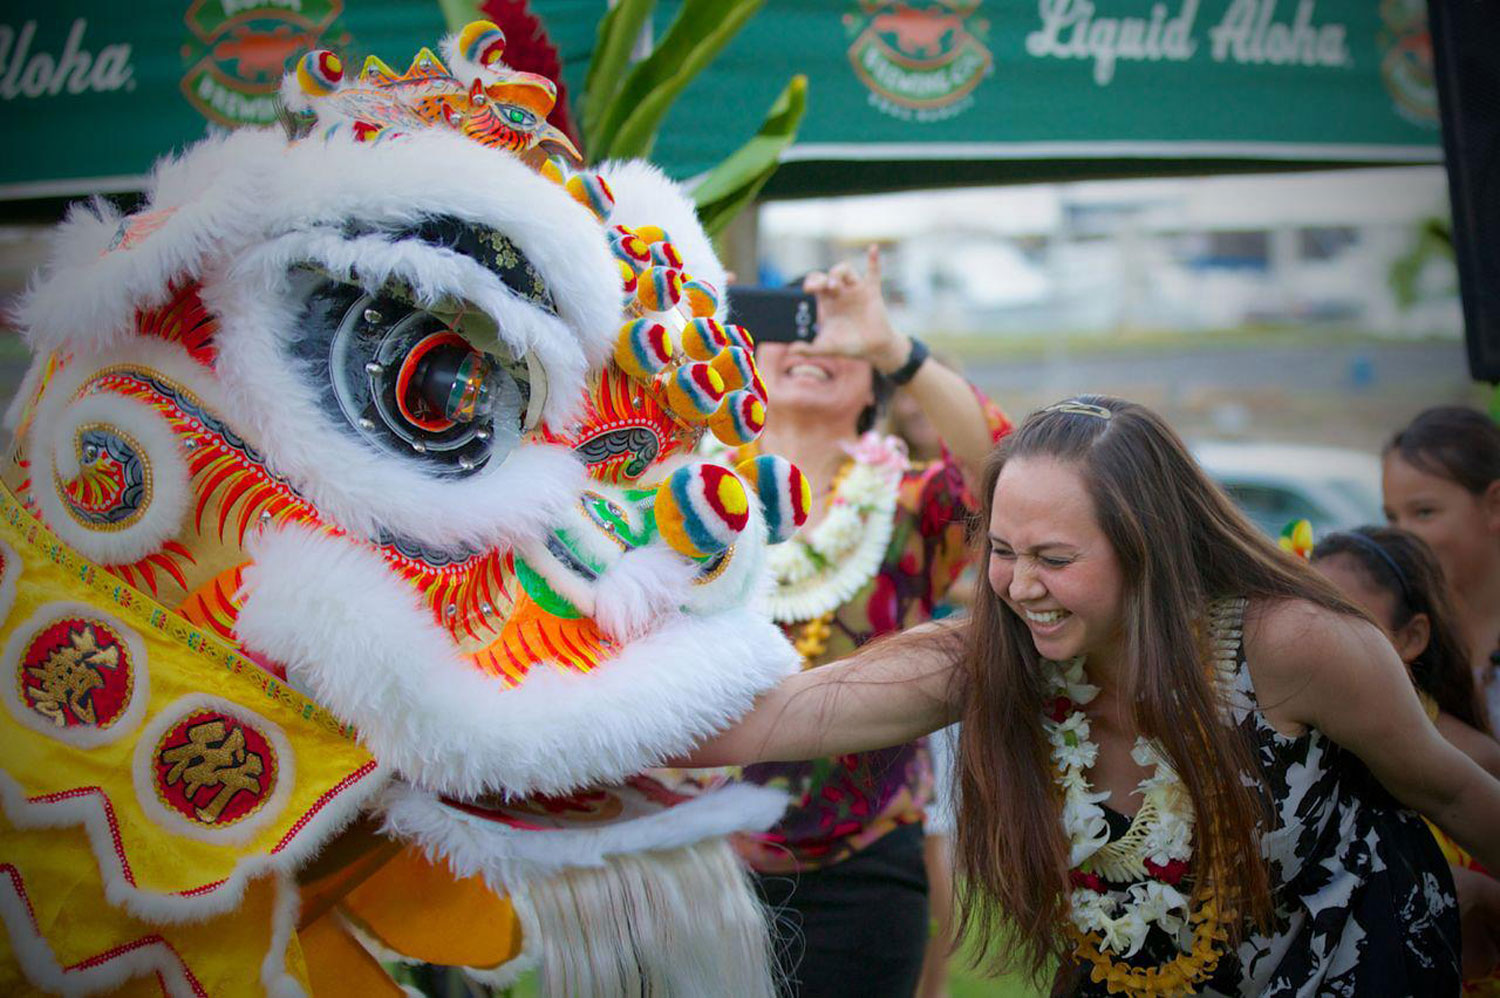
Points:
(1365, 902)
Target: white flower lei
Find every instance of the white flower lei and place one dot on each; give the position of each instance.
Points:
(1121, 918)
(1162, 832)
(822, 568)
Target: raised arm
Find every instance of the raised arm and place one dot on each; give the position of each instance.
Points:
(1340, 675)
(890, 692)
(852, 321)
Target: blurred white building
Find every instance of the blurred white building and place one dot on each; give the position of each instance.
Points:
(1163, 254)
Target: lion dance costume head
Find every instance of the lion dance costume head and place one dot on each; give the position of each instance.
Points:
(356, 567)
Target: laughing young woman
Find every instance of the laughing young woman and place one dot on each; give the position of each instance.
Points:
(845, 868)
(1187, 765)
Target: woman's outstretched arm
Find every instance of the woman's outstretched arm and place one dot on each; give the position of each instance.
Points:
(890, 692)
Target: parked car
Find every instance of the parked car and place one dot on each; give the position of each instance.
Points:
(1334, 488)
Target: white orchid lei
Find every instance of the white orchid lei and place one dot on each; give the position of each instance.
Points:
(822, 568)
(1152, 856)
(1157, 848)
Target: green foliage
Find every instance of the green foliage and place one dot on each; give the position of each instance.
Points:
(457, 13)
(731, 186)
(618, 31)
(626, 125)
(1434, 242)
(623, 105)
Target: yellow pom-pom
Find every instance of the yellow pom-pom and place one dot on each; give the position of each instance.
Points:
(702, 298)
(701, 509)
(643, 348)
(739, 418)
(482, 42)
(694, 392)
(652, 234)
(590, 190)
(702, 339)
(319, 73)
(660, 289)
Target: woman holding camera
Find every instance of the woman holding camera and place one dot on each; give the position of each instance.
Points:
(885, 538)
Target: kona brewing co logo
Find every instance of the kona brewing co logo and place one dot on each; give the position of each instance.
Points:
(241, 48)
(1406, 62)
(920, 61)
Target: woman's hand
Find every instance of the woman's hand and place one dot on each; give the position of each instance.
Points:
(852, 318)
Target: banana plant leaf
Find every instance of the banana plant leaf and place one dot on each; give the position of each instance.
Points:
(627, 126)
(731, 186)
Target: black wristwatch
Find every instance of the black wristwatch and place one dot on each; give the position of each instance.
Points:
(914, 361)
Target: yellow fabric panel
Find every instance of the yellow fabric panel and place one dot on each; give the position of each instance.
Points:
(180, 660)
(419, 909)
(66, 897)
(339, 966)
(1454, 853)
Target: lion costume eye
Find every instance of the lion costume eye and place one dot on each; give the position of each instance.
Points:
(428, 383)
(408, 380)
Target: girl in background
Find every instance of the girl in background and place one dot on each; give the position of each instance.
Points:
(1394, 577)
(1441, 480)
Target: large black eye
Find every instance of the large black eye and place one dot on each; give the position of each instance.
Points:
(444, 381)
(403, 379)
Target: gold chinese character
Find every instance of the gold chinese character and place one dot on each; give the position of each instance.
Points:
(209, 759)
(69, 675)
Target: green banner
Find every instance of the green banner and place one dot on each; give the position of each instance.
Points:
(92, 93)
(915, 91)
(1300, 80)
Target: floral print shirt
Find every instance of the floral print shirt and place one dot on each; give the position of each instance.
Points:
(842, 804)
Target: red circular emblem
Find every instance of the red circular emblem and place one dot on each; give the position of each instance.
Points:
(213, 768)
(77, 673)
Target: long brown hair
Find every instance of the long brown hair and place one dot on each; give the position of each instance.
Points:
(1452, 442)
(1404, 566)
(1180, 543)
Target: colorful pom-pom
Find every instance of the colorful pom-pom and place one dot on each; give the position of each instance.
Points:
(660, 289)
(666, 255)
(555, 170)
(1297, 538)
(652, 234)
(702, 339)
(319, 73)
(632, 249)
(737, 368)
(482, 42)
(702, 298)
(694, 392)
(784, 493)
(628, 278)
(739, 418)
(590, 190)
(643, 348)
(701, 509)
(740, 337)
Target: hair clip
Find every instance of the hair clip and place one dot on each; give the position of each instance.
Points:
(1079, 408)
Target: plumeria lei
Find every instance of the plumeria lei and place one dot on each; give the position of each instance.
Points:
(822, 568)
(1152, 857)
(1121, 919)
